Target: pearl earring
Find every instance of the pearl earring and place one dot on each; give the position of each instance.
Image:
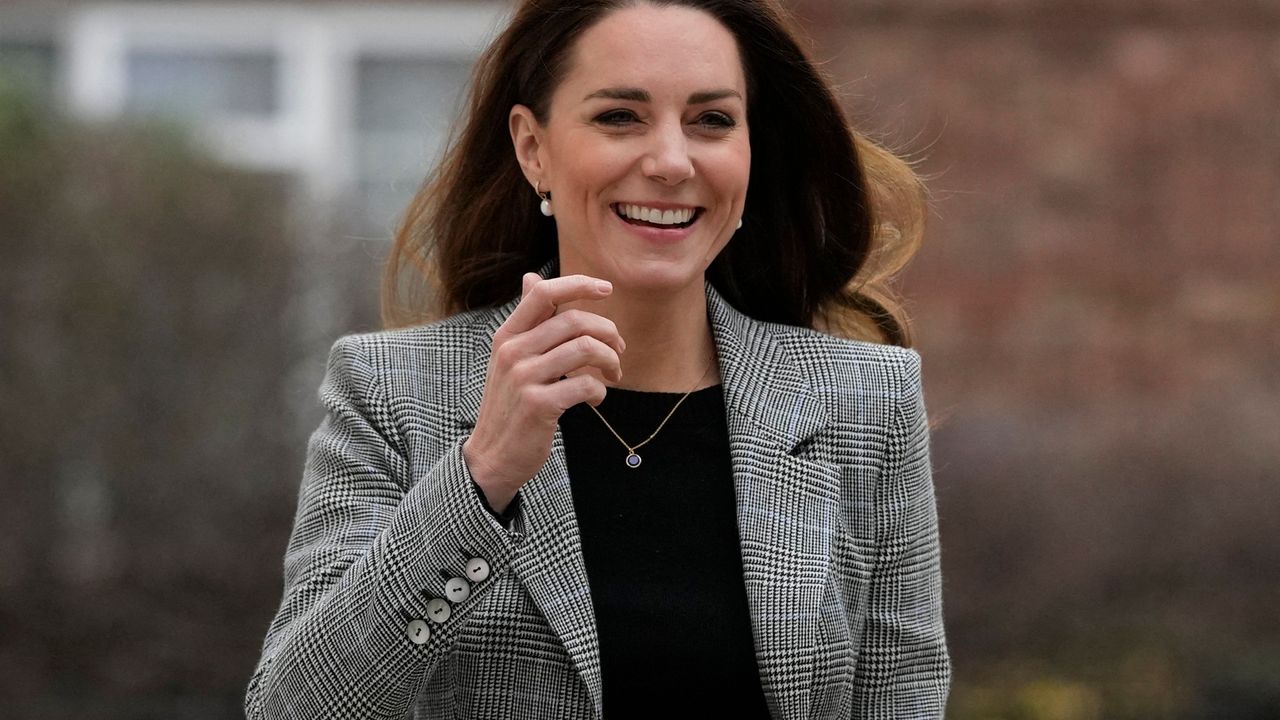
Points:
(545, 205)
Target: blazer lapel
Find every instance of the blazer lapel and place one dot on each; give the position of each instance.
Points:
(551, 566)
(787, 505)
(549, 563)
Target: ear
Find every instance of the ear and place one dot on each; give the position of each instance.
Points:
(527, 139)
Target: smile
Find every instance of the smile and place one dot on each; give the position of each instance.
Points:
(647, 216)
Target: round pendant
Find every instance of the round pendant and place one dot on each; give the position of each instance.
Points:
(633, 460)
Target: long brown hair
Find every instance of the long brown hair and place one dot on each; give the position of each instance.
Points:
(830, 217)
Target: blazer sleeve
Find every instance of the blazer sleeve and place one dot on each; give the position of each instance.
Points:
(370, 547)
(903, 668)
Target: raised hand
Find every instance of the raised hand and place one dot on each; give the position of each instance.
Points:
(543, 363)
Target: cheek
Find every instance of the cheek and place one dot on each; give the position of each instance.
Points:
(731, 177)
(731, 170)
(585, 167)
(744, 162)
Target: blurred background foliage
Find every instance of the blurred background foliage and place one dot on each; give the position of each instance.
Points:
(1098, 305)
(143, 314)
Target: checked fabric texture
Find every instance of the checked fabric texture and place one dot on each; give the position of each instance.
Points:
(836, 517)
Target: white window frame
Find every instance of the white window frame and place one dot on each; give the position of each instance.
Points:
(312, 132)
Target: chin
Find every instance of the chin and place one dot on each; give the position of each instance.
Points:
(638, 264)
(660, 276)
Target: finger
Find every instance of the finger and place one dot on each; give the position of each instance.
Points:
(543, 297)
(564, 327)
(527, 282)
(579, 352)
(566, 393)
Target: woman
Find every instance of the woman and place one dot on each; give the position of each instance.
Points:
(648, 484)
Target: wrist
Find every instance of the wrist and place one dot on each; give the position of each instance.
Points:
(497, 493)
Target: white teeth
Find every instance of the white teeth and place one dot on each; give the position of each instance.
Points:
(656, 216)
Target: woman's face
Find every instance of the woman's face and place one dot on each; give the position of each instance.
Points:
(645, 151)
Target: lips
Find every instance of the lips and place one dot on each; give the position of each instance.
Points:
(657, 217)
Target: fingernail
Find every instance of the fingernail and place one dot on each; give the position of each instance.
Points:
(604, 285)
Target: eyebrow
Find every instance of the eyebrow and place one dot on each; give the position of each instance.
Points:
(640, 95)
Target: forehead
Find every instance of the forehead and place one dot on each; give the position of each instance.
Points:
(656, 47)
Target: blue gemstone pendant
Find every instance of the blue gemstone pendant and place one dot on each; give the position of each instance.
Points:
(633, 460)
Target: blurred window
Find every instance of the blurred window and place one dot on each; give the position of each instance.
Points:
(355, 100)
(202, 82)
(404, 106)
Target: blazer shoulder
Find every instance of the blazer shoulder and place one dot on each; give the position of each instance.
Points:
(852, 360)
(387, 349)
(861, 384)
(425, 365)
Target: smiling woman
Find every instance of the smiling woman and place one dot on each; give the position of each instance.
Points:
(645, 150)
(627, 463)
(832, 215)
(645, 153)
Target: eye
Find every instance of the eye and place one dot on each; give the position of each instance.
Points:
(616, 118)
(716, 120)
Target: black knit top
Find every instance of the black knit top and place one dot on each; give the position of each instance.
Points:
(663, 560)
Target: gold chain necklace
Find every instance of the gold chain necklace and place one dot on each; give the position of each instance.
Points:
(633, 457)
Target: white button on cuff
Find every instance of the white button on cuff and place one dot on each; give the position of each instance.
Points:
(438, 610)
(477, 570)
(457, 590)
(418, 631)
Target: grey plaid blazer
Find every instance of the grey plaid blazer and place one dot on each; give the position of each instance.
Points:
(830, 454)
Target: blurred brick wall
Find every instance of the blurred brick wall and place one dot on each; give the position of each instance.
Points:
(1127, 151)
(1098, 301)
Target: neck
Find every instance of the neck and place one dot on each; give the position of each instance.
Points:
(668, 336)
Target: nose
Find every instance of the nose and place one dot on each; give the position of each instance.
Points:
(667, 159)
